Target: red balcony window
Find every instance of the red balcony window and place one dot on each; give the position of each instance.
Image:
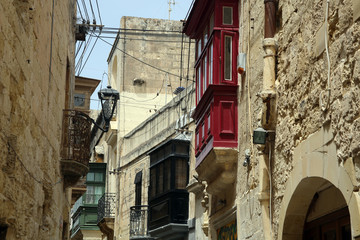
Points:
(214, 25)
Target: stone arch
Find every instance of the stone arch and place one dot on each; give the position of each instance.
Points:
(315, 164)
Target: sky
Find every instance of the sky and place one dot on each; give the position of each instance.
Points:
(111, 12)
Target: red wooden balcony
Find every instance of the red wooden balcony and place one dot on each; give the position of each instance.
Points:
(214, 24)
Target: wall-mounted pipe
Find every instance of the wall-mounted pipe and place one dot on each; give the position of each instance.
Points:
(270, 18)
(268, 118)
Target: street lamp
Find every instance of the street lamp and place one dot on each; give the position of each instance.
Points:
(108, 98)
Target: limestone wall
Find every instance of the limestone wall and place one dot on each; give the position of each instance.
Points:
(302, 81)
(145, 67)
(32, 201)
(303, 106)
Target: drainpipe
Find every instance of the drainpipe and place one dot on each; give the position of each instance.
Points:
(268, 117)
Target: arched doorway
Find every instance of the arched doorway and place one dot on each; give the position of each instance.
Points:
(328, 216)
(319, 194)
(317, 210)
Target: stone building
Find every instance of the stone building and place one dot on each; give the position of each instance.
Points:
(281, 160)
(153, 174)
(39, 161)
(149, 64)
(145, 64)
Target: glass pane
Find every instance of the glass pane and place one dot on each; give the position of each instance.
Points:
(199, 48)
(330, 235)
(228, 56)
(99, 177)
(90, 177)
(161, 178)
(199, 82)
(181, 174)
(211, 25)
(209, 122)
(152, 182)
(79, 100)
(203, 131)
(346, 232)
(227, 15)
(182, 149)
(205, 73)
(205, 36)
(99, 190)
(197, 139)
(90, 189)
(167, 175)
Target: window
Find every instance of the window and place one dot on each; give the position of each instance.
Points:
(95, 177)
(181, 173)
(138, 185)
(211, 24)
(203, 132)
(205, 36)
(93, 194)
(79, 100)
(228, 58)
(171, 172)
(199, 83)
(209, 124)
(227, 15)
(199, 48)
(205, 74)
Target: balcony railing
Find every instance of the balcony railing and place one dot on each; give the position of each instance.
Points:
(106, 206)
(75, 145)
(76, 136)
(139, 222)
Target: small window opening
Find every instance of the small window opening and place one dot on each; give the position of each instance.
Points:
(227, 15)
(227, 57)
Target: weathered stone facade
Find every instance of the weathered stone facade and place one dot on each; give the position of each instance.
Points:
(36, 83)
(145, 65)
(316, 134)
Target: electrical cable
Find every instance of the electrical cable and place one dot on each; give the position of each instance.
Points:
(78, 48)
(88, 56)
(92, 11)
(81, 15)
(139, 60)
(79, 63)
(138, 39)
(97, 4)
(86, 11)
(117, 30)
(322, 105)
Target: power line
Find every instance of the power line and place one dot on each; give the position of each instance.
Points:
(86, 11)
(88, 56)
(81, 15)
(116, 30)
(92, 11)
(139, 60)
(97, 4)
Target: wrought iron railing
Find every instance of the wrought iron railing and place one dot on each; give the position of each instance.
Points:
(106, 206)
(76, 136)
(139, 221)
